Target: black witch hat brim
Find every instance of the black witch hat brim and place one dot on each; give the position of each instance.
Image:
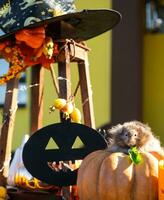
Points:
(79, 26)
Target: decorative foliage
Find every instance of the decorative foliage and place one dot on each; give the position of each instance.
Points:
(30, 47)
(134, 155)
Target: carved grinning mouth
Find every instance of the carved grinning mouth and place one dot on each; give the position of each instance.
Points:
(64, 166)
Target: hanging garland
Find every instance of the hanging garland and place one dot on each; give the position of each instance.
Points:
(30, 47)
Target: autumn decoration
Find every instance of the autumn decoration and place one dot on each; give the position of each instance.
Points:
(32, 184)
(29, 47)
(161, 178)
(3, 193)
(104, 175)
(68, 108)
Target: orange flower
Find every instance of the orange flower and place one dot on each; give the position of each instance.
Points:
(32, 37)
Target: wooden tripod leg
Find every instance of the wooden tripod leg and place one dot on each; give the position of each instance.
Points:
(36, 114)
(6, 136)
(65, 92)
(86, 92)
(65, 76)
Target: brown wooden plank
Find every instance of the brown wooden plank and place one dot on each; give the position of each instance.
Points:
(6, 136)
(36, 113)
(77, 51)
(54, 80)
(86, 92)
(65, 74)
(65, 92)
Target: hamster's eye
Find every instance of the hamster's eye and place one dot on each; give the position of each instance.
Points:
(126, 134)
(135, 134)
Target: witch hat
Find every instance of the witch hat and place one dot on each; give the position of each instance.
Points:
(58, 16)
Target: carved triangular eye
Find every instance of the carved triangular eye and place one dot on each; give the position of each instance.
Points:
(78, 143)
(51, 144)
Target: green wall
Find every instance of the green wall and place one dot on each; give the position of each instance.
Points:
(100, 65)
(100, 61)
(153, 80)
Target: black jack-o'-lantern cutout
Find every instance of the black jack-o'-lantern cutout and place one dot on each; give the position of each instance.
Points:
(59, 142)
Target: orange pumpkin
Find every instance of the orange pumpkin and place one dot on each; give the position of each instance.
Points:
(32, 37)
(111, 176)
(160, 180)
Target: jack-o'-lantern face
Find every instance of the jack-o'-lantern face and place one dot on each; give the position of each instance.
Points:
(59, 142)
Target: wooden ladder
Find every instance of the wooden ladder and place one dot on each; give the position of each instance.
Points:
(70, 52)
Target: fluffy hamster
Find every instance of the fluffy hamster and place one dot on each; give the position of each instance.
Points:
(132, 134)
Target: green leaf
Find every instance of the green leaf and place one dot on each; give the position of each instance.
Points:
(134, 155)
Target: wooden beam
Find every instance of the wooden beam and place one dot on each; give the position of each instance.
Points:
(64, 73)
(77, 51)
(36, 113)
(65, 93)
(86, 92)
(9, 112)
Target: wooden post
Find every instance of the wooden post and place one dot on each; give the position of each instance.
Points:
(64, 92)
(36, 114)
(9, 111)
(78, 53)
(65, 75)
(86, 92)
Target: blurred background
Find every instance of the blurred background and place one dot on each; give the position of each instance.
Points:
(126, 69)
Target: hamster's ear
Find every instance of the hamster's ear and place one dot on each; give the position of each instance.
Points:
(116, 130)
(144, 129)
(143, 126)
(144, 134)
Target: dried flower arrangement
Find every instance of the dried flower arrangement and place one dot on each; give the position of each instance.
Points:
(30, 47)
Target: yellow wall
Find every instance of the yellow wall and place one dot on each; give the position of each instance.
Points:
(153, 79)
(99, 58)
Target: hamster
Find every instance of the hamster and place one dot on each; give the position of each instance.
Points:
(122, 137)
